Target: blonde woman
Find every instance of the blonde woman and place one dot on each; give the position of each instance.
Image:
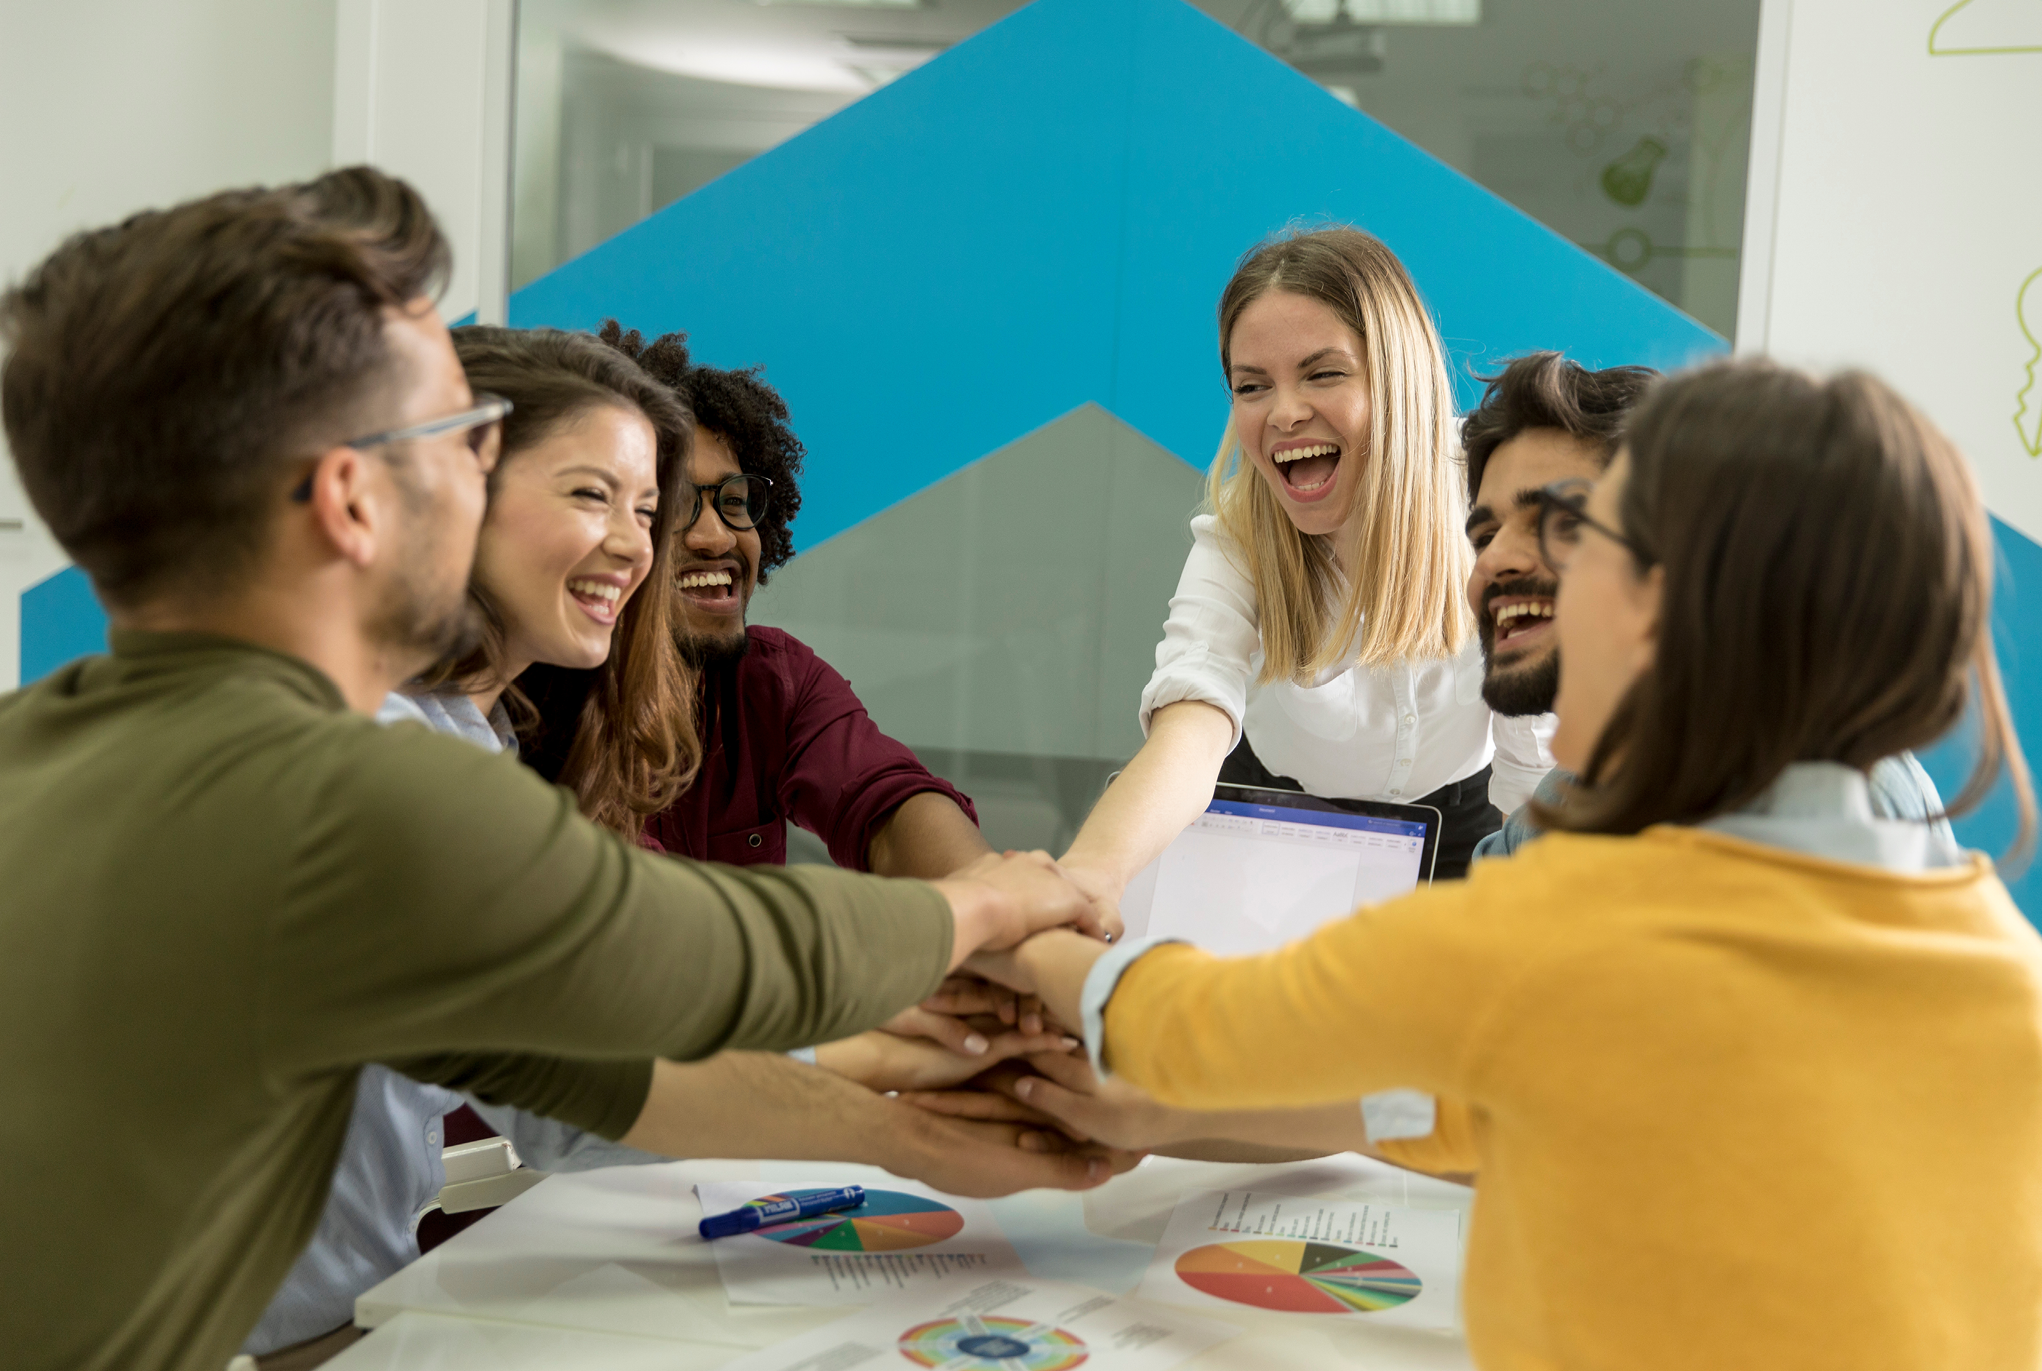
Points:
(1319, 637)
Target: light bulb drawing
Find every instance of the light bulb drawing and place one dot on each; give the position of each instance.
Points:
(1628, 180)
(2028, 404)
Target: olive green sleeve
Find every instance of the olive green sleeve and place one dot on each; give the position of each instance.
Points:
(603, 1097)
(445, 900)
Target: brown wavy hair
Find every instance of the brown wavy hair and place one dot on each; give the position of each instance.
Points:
(635, 746)
(1828, 598)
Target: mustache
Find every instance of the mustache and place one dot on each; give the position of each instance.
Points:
(1518, 585)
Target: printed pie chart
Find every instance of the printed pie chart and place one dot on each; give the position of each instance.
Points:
(1298, 1277)
(888, 1221)
(980, 1342)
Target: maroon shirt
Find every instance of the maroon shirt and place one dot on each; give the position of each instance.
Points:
(783, 737)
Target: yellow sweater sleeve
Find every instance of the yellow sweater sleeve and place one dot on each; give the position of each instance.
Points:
(1392, 996)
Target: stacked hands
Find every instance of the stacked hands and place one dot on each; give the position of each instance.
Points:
(989, 1063)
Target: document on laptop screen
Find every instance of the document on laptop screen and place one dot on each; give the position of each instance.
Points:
(1248, 878)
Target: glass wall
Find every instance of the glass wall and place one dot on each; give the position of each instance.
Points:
(1003, 621)
(1619, 125)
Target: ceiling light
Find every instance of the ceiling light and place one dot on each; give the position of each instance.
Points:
(749, 64)
(1385, 11)
(1415, 11)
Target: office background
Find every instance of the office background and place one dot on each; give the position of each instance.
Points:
(977, 245)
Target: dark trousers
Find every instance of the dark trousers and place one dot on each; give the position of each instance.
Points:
(1464, 808)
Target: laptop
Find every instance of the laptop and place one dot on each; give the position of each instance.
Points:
(1260, 868)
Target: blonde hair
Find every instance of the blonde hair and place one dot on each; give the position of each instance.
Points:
(1402, 543)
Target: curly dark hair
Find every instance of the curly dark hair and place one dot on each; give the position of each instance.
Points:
(746, 413)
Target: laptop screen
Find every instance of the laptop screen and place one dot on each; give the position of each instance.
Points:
(1249, 876)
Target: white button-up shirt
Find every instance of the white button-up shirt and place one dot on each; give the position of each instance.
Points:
(1397, 732)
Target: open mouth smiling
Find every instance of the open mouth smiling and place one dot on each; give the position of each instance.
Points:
(598, 599)
(1519, 620)
(1307, 467)
(715, 589)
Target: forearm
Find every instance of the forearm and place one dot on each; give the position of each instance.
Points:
(753, 1104)
(1052, 966)
(1276, 1135)
(1166, 786)
(927, 836)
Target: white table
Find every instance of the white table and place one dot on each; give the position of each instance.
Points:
(603, 1269)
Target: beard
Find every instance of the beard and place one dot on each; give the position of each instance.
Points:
(1526, 690)
(703, 651)
(425, 613)
(426, 624)
(1516, 690)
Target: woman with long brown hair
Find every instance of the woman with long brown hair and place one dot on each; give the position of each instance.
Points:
(1750, 1076)
(1319, 638)
(580, 506)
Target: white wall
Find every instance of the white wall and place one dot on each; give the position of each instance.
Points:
(110, 106)
(422, 89)
(1896, 213)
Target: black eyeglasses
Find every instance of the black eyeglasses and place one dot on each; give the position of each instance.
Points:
(1563, 514)
(741, 501)
(484, 423)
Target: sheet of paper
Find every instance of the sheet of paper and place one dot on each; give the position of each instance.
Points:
(1331, 1259)
(999, 1325)
(905, 1237)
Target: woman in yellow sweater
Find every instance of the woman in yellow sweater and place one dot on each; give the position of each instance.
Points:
(1752, 1078)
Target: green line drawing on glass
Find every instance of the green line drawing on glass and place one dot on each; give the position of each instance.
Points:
(1628, 180)
(1988, 26)
(2027, 412)
(1629, 249)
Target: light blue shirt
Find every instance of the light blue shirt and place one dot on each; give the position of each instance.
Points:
(1820, 809)
(390, 1169)
(1900, 789)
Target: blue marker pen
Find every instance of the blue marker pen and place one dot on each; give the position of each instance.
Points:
(783, 1209)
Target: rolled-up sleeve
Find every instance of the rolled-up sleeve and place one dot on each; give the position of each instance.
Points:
(1213, 634)
(843, 777)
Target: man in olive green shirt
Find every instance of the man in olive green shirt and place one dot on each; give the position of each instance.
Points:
(227, 888)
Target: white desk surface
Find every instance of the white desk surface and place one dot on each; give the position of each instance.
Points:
(604, 1269)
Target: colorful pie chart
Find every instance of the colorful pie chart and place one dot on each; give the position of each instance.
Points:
(981, 1342)
(1298, 1277)
(888, 1221)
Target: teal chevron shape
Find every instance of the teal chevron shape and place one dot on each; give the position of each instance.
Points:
(1044, 216)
